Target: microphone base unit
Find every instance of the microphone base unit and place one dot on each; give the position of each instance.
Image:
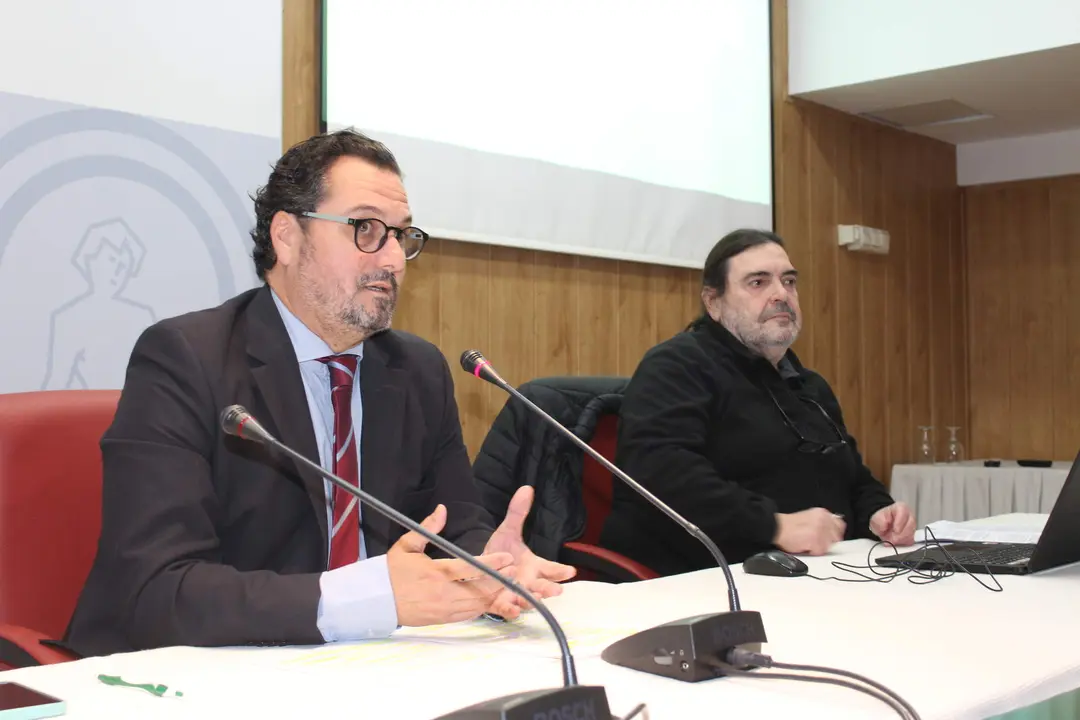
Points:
(576, 701)
(688, 649)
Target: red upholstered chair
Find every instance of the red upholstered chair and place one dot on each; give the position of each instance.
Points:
(592, 561)
(50, 514)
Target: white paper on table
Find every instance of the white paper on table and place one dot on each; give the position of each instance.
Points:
(966, 532)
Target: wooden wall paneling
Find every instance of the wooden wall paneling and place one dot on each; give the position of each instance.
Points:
(511, 315)
(670, 292)
(818, 262)
(795, 187)
(947, 212)
(939, 321)
(1064, 236)
(873, 366)
(300, 71)
(848, 211)
(636, 315)
(958, 261)
(465, 296)
(419, 308)
(598, 318)
(988, 322)
(556, 319)
(899, 427)
(1031, 325)
(692, 307)
(918, 325)
(1022, 242)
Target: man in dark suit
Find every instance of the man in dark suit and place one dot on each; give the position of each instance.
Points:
(210, 540)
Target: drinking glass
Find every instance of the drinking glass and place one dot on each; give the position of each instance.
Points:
(924, 450)
(954, 451)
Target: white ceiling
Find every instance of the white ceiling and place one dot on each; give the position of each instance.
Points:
(1027, 94)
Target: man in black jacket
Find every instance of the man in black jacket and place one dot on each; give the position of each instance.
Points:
(725, 425)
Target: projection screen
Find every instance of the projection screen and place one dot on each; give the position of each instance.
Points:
(613, 128)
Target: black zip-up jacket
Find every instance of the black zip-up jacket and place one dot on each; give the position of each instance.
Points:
(703, 427)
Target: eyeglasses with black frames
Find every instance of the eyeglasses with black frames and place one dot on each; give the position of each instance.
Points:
(371, 234)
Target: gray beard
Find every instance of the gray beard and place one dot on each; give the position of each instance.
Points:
(757, 337)
(356, 318)
(361, 319)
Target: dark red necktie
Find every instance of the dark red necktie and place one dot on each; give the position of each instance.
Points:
(345, 531)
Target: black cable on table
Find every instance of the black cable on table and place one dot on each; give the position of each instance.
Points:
(828, 680)
(914, 575)
(737, 659)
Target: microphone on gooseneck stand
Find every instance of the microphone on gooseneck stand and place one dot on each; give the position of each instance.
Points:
(684, 649)
(571, 700)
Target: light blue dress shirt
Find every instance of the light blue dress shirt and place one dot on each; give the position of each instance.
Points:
(357, 601)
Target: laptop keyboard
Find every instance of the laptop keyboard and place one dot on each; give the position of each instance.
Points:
(1001, 555)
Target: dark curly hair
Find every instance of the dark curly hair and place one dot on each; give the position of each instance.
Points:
(297, 182)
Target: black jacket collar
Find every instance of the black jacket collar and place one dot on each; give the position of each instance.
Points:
(746, 358)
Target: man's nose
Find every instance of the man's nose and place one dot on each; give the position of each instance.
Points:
(391, 256)
(780, 293)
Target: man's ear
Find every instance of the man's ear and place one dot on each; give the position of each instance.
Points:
(286, 235)
(710, 298)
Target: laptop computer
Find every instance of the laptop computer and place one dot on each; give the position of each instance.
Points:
(1059, 544)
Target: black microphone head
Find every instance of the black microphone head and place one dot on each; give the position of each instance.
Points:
(470, 359)
(474, 363)
(233, 419)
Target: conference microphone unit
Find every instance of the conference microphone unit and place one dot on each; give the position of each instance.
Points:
(684, 649)
(571, 700)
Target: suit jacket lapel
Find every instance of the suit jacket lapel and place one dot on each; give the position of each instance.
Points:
(277, 376)
(383, 390)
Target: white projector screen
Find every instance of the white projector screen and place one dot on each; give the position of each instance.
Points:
(630, 129)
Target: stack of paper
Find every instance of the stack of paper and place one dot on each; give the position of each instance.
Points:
(970, 532)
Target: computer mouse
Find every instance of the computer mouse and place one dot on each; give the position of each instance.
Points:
(774, 562)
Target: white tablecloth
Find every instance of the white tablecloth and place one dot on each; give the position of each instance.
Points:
(968, 490)
(952, 648)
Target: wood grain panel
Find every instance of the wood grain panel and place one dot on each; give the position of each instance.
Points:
(1064, 236)
(939, 323)
(867, 319)
(556, 316)
(988, 322)
(301, 74)
(1030, 362)
(597, 312)
(872, 296)
(511, 276)
(1022, 242)
(818, 256)
(894, 377)
(637, 315)
(419, 301)
(918, 328)
(465, 295)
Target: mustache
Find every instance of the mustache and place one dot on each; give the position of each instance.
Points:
(780, 308)
(381, 276)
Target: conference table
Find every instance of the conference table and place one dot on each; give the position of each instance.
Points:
(951, 648)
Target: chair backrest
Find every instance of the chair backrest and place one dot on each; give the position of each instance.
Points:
(522, 449)
(50, 501)
(596, 481)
